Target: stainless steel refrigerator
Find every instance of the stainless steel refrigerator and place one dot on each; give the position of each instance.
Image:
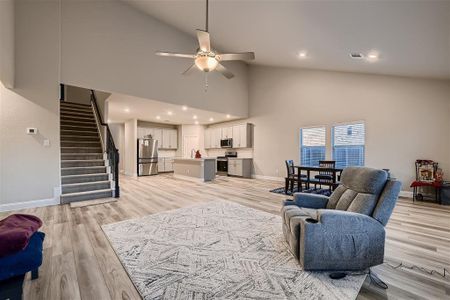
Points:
(147, 157)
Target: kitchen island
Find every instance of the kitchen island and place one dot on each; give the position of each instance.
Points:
(198, 169)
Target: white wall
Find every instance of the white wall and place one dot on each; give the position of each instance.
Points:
(405, 118)
(130, 146)
(29, 170)
(7, 43)
(110, 46)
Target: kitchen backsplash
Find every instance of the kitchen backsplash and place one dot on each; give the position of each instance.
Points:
(242, 153)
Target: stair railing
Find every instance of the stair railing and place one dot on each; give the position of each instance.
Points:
(108, 145)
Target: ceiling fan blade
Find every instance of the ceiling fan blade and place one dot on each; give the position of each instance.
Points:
(171, 54)
(225, 72)
(237, 56)
(203, 40)
(189, 70)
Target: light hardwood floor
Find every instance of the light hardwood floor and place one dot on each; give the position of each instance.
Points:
(79, 263)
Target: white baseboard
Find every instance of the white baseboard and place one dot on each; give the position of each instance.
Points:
(29, 204)
(273, 178)
(34, 203)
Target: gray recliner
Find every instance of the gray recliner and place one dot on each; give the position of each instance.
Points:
(346, 230)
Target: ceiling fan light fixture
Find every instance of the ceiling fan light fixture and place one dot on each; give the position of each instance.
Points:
(206, 63)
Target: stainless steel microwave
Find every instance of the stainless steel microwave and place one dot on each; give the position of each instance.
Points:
(226, 143)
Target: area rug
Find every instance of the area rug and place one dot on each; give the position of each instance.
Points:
(218, 250)
(280, 190)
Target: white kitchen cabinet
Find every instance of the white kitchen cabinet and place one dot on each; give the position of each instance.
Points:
(157, 135)
(227, 132)
(161, 165)
(208, 138)
(173, 136)
(241, 167)
(168, 164)
(216, 136)
(165, 139)
(236, 136)
(140, 132)
(242, 136)
(165, 164)
(169, 139)
(149, 132)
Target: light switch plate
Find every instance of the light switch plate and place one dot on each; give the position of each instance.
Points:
(46, 143)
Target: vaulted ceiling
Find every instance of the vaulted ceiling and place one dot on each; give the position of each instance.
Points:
(411, 38)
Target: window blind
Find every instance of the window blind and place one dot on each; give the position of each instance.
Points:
(349, 144)
(312, 146)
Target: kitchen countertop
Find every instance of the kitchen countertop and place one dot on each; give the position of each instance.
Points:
(195, 159)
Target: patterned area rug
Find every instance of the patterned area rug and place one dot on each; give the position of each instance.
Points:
(218, 250)
(280, 190)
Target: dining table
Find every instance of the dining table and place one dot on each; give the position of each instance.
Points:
(334, 172)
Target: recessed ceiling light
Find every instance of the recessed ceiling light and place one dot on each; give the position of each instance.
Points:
(196, 122)
(158, 117)
(228, 116)
(211, 119)
(194, 117)
(170, 113)
(184, 107)
(302, 54)
(373, 55)
(126, 110)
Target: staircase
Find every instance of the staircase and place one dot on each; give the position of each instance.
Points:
(85, 174)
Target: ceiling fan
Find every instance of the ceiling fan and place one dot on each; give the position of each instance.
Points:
(207, 59)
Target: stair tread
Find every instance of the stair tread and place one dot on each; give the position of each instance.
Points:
(89, 167)
(94, 153)
(87, 192)
(82, 175)
(82, 160)
(83, 131)
(85, 183)
(68, 103)
(81, 147)
(75, 126)
(69, 141)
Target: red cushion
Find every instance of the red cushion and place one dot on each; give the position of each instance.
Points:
(15, 232)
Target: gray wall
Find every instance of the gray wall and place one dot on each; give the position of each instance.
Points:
(110, 46)
(7, 43)
(29, 170)
(405, 118)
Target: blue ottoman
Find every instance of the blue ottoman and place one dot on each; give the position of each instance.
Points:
(16, 265)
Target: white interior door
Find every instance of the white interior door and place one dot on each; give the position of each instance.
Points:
(190, 142)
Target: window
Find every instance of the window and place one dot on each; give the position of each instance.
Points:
(312, 146)
(348, 144)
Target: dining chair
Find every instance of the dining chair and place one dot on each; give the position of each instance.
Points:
(291, 177)
(325, 176)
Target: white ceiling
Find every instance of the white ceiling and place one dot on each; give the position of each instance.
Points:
(123, 107)
(412, 37)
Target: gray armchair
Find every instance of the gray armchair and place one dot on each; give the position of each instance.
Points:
(346, 230)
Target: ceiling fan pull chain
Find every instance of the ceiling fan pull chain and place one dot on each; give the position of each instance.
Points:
(206, 82)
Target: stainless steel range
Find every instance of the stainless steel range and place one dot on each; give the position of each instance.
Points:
(222, 162)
